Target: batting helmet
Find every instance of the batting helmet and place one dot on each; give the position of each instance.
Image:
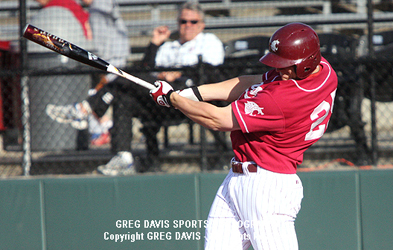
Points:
(294, 44)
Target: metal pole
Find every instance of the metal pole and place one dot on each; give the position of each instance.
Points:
(374, 133)
(26, 161)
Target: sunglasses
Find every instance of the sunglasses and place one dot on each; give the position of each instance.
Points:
(182, 21)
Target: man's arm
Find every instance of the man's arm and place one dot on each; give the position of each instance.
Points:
(206, 114)
(149, 59)
(160, 35)
(211, 116)
(228, 90)
(203, 113)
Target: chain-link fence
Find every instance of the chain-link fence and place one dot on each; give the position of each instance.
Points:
(360, 133)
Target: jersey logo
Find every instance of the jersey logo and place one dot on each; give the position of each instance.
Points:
(251, 107)
(274, 44)
(255, 89)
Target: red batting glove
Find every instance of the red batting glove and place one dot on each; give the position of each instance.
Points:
(162, 93)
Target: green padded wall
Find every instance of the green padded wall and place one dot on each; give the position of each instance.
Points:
(377, 209)
(329, 215)
(341, 210)
(20, 215)
(80, 212)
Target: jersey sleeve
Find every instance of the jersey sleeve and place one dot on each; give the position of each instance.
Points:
(257, 114)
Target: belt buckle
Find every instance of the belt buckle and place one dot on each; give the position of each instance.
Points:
(237, 167)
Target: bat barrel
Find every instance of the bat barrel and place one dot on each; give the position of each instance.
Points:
(70, 50)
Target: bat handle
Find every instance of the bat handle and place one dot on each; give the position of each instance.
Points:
(140, 82)
(116, 71)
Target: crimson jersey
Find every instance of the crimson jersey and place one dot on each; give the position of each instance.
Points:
(280, 120)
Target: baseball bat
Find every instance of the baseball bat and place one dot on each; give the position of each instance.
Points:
(72, 51)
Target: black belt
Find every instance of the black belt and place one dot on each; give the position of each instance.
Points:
(237, 167)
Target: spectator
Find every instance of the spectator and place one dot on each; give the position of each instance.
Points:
(191, 44)
(185, 51)
(104, 18)
(98, 126)
(111, 43)
(68, 20)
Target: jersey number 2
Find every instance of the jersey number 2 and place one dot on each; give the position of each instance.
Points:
(318, 129)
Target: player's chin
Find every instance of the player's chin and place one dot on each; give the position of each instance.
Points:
(285, 77)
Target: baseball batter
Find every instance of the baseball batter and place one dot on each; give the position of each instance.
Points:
(273, 119)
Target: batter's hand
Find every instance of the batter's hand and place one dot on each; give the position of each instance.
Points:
(162, 93)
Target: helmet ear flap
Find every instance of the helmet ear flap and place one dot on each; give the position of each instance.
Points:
(308, 65)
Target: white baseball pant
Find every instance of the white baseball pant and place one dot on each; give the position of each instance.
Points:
(255, 208)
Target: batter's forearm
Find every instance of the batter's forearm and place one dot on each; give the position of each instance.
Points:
(205, 114)
(228, 90)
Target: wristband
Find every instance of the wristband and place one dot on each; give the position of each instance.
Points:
(197, 93)
(168, 98)
(191, 93)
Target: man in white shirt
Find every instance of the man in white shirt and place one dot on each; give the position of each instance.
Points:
(191, 44)
(184, 51)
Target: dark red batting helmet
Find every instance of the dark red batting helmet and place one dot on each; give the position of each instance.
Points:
(294, 44)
